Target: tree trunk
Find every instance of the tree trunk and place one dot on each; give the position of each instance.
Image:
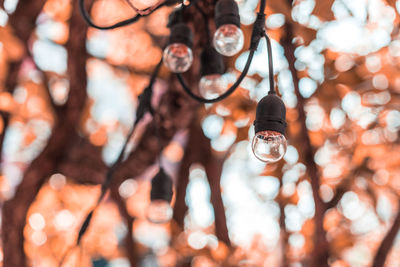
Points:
(15, 209)
(319, 257)
(387, 242)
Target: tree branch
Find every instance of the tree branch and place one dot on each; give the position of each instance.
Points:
(346, 184)
(180, 207)
(15, 209)
(387, 242)
(23, 22)
(83, 162)
(321, 246)
(284, 233)
(130, 249)
(213, 167)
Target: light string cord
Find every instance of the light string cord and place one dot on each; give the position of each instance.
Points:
(91, 23)
(86, 16)
(257, 33)
(270, 65)
(144, 106)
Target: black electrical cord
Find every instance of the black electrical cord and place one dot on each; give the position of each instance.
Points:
(270, 66)
(144, 106)
(257, 33)
(89, 21)
(86, 16)
(227, 93)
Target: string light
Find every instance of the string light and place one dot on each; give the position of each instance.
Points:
(212, 83)
(269, 143)
(178, 56)
(159, 210)
(228, 39)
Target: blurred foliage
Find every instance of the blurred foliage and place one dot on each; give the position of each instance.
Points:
(347, 57)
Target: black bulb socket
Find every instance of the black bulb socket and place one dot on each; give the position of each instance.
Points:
(270, 114)
(227, 12)
(161, 187)
(181, 33)
(212, 62)
(174, 17)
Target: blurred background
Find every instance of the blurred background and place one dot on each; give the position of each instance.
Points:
(68, 96)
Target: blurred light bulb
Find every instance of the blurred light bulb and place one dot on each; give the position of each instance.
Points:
(212, 86)
(269, 146)
(178, 57)
(228, 39)
(159, 211)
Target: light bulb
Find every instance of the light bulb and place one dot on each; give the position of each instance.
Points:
(178, 57)
(212, 86)
(269, 146)
(228, 39)
(159, 211)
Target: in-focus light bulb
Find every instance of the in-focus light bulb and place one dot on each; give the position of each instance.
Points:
(212, 86)
(228, 40)
(178, 57)
(159, 211)
(269, 146)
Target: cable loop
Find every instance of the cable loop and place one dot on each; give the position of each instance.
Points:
(257, 33)
(86, 16)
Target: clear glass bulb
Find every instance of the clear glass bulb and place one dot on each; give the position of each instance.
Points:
(228, 40)
(178, 57)
(269, 146)
(212, 86)
(159, 211)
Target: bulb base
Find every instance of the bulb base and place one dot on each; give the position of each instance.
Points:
(181, 33)
(270, 115)
(161, 187)
(227, 12)
(212, 62)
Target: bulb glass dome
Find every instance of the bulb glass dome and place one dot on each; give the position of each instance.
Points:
(159, 211)
(212, 86)
(228, 40)
(269, 146)
(178, 57)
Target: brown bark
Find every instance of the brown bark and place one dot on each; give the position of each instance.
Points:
(177, 116)
(213, 166)
(198, 149)
(130, 250)
(284, 234)
(15, 209)
(319, 257)
(83, 162)
(387, 242)
(23, 22)
(180, 207)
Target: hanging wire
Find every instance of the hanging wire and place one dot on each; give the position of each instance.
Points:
(141, 11)
(257, 33)
(143, 108)
(227, 93)
(270, 66)
(89, 21)
(86, 16)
